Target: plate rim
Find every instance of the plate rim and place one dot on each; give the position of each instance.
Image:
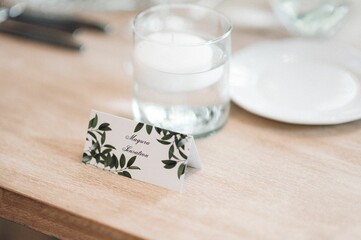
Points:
(286, 119)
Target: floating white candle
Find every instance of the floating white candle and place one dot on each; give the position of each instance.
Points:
(171, 61)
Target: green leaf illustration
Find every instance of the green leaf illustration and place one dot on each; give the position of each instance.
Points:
(167, 137)
(102, 153)
(92, 134)
(131, 161)
(171, 151)
(115, 162)
(169, 164)
(122, 161)
(138, 127)
(109, 146)
(111, 163)
(98, 148)
(149, 129)
(94, 145)
(125, 174)
(106, 151)
(163, 142)
(103, 138)
(182, 154)
(86, 158)
(134, 168)
(181, 170)
(95, 121)
(97, 157)
(173, 133)
(177, 143)
(107, 160)
(104, 127)
(174, 156)
(159, 130)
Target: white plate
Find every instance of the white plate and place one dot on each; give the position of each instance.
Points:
(298, 81)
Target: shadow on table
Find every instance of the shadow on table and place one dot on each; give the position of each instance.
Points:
(13, 231)
(295, 130)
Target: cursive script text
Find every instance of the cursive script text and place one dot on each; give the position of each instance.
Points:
(136, 140)
(129, 149)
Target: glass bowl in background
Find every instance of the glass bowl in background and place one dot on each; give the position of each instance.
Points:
(206, 3)
(311, 18)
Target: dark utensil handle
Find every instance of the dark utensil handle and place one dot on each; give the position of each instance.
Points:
(68, 24)
(38, 33)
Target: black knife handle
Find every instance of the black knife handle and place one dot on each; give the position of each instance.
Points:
(39, 33)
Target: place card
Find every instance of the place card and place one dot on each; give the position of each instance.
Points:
(139, 151)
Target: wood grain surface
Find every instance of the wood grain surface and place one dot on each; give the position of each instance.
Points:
(261, 179)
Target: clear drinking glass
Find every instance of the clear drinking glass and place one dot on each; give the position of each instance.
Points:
(311, 17)
(181, 66)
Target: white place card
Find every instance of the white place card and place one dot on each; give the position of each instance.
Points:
(139, 151)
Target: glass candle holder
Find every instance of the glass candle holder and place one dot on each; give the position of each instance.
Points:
(181, 66)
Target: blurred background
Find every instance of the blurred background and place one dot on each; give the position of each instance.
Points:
(256, 20)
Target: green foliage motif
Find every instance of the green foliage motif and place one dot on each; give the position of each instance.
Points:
(176, 142)
(103, 153)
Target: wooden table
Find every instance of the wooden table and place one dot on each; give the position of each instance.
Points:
(261, 179)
